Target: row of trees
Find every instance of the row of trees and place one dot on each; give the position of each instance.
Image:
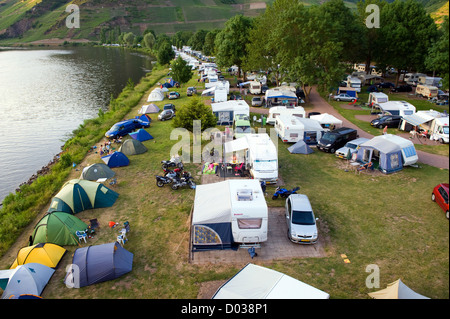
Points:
(317, 45)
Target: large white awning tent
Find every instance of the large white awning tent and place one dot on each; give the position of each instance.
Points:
(396, 290)
(257, 282)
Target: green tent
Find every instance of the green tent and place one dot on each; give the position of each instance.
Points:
(58, 228)
(95, 171)
(132, 147)
(78, 194)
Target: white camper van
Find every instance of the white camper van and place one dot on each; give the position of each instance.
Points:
(377, 97)
(291, 129)
(258, 153)
(282, 110)
(228, 212)
(440, 130)
(354, 82)
(401, 108)
(255, 87)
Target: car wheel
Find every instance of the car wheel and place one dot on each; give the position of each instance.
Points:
(380, 126)
(433, 197)
(332, 150)
(338, 100)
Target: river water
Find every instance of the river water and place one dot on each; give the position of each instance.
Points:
(46, 94)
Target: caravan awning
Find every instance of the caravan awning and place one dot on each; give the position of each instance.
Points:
(236, 145)
(416, 120)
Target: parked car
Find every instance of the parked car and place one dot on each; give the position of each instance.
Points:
(333, 140)
(122, 128)
(191, 91)
(300, 219)
(344, 97)
(440, 196)
(166, 115)
(386, 120)
(173, 95)
(350, 148)
(169, 106)
(386, 85)
(257, 101)
(402, 88)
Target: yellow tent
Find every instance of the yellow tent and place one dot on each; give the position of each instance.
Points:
(396, 290)
(45, 254)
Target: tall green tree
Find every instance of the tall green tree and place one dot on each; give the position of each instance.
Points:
(181, 70)
(149, 40)
(165, 53)
(128, 38)
(438, 58)
(209, 47)
(197, 40)
(194, 110)
(231, 42)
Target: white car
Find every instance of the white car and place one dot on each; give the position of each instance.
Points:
(350, 148)
(302, 228)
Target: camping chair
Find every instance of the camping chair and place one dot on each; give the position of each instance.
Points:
(81, 235)
(120, 240)
(238, 171)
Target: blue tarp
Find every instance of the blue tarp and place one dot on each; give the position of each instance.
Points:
(99, 263)
(116, 159)
(141, 135)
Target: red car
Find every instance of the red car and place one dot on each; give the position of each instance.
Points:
(440, 196)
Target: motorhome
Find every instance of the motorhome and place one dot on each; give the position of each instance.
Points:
(430, 80)
(427, 91)
(291, 129)
(412, 78)
(258, 153)
(440, 130)
(228, 213)
(255, 87)
(401, 108)
(354, 82)
(282, 110)
(241, 125)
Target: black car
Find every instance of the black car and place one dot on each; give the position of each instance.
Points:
(386, 85)
(402, 88)
(333, 140)
(386, 120)
(169, 106)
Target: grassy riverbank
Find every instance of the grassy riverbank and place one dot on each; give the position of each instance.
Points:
(386, 220)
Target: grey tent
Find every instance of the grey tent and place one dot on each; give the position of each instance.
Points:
(150, 108)
(99, 263)
(300, 148)
(132, 147)
(95, 171)
(28, 279)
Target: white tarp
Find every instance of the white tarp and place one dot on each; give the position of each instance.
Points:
(326, 118)
(216, 195)
(257, 282)
(236, 145)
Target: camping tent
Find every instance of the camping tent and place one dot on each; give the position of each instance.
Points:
(300, 148)
(141, 135)
(149, 108)
(116, 159)
(396, 290)
(326, 120)
(95, 171)
(155, 95)
(145, 118)
(58, 228)
(77, 195)
(43, 253)
(257, 282)
(99, 263)
(29, 279)
(132, 147)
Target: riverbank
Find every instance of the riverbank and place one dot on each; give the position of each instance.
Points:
(19, 209)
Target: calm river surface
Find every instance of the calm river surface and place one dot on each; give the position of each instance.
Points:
(46, 94)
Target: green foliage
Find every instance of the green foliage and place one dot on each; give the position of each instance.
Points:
(195, 110)
(438, 57)
(181, 71)
(165, 53)
(149, 40)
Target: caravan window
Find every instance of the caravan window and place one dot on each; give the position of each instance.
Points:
(249, 223)
(293, 135)
(409, 151)
(445, 129)
(408, 112)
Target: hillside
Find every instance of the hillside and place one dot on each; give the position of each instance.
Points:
(32, 20)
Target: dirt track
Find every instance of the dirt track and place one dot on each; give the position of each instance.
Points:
(322, 106)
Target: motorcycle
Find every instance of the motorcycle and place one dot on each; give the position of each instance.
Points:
(284, 193)
(163, 180)
(171, 163)
(176, 173)
(185, 180)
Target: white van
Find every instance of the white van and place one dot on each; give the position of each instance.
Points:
(440, 129)
(275, 111)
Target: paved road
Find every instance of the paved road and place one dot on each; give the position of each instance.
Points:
(322, 106)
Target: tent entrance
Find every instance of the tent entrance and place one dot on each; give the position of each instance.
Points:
(310, 137)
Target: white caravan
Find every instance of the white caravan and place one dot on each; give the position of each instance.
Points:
(401, 108)
(430, 80)
(258, 153)
(354, 82)
(291, 129)
(255, 87)
(283, 110)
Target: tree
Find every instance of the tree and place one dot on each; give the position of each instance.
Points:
(438, 57)
(149, 40)
(231, 42)
(165, 53)
(194, 110)
(209, 47)
(181, 38)
(197, 40)
(128, 38)
(181, 70)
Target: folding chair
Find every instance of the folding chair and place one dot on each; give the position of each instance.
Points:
(81, 235)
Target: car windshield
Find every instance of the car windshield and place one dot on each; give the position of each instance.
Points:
(352, 146)
(243, 129)
(445, 129)
(115, 127)
(303, 218)
(328, 137)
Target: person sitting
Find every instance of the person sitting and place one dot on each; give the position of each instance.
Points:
(365, 166)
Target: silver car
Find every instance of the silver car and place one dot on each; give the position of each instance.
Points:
(350, 148)
(344, 97)
(166, 115)
(257, 101)
(302, 228)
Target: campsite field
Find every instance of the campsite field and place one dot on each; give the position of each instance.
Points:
(375, 219)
